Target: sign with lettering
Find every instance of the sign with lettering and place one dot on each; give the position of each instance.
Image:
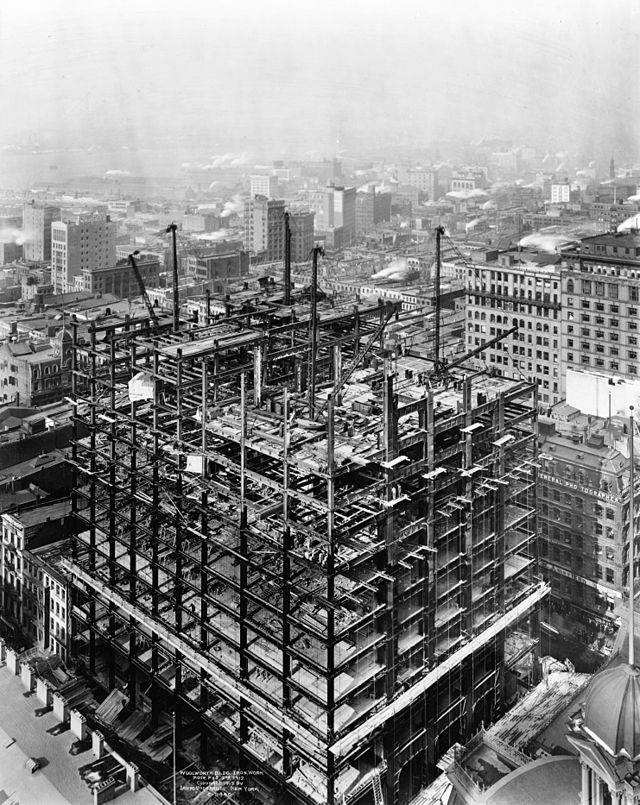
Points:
(587, 490)
(606, 591)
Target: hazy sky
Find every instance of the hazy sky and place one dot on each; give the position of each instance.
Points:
(206, 75)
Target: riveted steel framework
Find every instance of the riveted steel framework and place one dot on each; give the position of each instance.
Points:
(337, 591)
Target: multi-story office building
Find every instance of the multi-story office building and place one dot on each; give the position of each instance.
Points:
(560, 192)
(10, 251)
(264, 233)
(601, 300)
(264, 185)
(339, 211)
(302, 235)
(425, 180)
(364, 212)
(82, 242)
(371, 208)
(36, 226)
(531, 294)
(609, 216)
(329, 592)
(583, 514)
(201, 222)
(219, 269)
(119, 279)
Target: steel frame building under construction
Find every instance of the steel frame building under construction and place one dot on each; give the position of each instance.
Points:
(303, 544)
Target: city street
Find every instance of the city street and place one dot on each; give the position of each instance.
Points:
(58, 781)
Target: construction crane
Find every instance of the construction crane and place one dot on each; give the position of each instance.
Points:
(442, 237)
(143, 291)
(391, 310)
(442, 367)
(173, 228)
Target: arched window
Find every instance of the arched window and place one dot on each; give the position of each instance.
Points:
(569, 286)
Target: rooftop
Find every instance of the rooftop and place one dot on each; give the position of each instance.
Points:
(547, 781)
(612, 710)
(42, 514)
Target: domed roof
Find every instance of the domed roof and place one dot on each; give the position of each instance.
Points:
(63, 335)
(612, 710)
(552, 780)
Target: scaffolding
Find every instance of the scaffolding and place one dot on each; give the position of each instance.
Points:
(335, 587)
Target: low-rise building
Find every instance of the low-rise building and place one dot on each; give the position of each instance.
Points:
(22, 579)
(36, 373)
(219, 270)
(201, 222)
(120, 279)
(53, 597)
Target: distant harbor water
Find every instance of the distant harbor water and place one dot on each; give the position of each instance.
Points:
(21, 170)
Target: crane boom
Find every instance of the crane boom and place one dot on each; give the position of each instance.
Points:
(482, 347)
(359, 357)
(143, 291)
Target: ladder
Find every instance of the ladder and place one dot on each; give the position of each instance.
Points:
(376, 785)
(378, 796)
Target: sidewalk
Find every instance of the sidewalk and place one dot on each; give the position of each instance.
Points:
(58, 781)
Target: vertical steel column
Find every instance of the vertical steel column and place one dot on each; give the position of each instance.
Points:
(176, 302)
(74, 420)
(178, 530)
(287, 545)
(92, 496)
(287, 260)
(331, 550)
(439, 234)
(390, 584)
(113, 457)
(204, 558)
(257, 374)
(133, 538)
(632, 539)
(155, 527)
(313, 325)
(244, 550)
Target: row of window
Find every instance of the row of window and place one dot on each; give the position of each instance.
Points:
(613, 366)
(570, 560)
(558, 516)
(528, 306)
(613, 351)
(599, 308)
(515, 276)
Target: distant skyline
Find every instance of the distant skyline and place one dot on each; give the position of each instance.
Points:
(282, 78)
